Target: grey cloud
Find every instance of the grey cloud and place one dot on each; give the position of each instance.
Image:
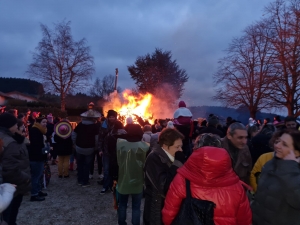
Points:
(196, 32)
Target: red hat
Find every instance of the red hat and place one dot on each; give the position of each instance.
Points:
(36, 114)
(181, 104)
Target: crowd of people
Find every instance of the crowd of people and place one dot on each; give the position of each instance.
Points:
(249, 173)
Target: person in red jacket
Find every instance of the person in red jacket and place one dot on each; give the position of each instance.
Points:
(212, 178)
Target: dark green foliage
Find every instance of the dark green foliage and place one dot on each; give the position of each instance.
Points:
(16, 102)
(153, 71)
(21, 85)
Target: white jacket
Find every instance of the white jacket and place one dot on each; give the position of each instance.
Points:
(6, 195)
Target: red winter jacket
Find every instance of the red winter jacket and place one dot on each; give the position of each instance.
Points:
(212, 178)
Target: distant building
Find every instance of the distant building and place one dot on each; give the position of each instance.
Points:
(3, 98)
(20, 96)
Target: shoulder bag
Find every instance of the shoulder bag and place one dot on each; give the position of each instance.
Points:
(194, 211)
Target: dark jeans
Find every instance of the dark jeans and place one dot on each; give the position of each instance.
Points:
(11, 213)
(136, 208)
(107, 179)
(37, 171)
(83, 166)
(99, 163)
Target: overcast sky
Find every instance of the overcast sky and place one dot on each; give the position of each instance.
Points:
(196, 32)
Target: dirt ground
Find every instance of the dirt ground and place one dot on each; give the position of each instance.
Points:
(68, 203)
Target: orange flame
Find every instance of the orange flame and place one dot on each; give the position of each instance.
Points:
(132, 106)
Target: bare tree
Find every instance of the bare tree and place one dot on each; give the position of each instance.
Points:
(61, 63)
(284, 23)
(102, 88)
(244, 75)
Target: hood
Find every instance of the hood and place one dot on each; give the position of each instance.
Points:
(182, 112)
(209, 166)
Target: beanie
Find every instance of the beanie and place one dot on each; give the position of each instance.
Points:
(129, 120)
(7, 120)
(170, 124)
(181, 104)
(112, 113)
(39, 119)
(213, 120)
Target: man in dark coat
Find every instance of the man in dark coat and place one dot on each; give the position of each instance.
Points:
(85, 138)
(260, 142)
(235, 143)
(107, 146)
(15, 164)
(211, 128)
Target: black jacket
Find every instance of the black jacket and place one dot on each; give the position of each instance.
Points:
(15, 162)
(36, 145)
(259, 145)
(212, 130)
(277, 200)
(160, 170)
(241, 160)
(86, 135)
(63, 146)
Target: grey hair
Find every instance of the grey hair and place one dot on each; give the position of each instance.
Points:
(207, 139)
(235, 126)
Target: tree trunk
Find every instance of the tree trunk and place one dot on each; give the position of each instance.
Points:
(290, 103)
(290, 109)
(62, 102)
(253, 113)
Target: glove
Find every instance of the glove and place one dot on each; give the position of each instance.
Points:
(180, 156)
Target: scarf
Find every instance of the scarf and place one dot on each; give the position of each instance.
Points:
(40, 127)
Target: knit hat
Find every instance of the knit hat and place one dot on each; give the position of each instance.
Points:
(112, 113)
(40, 118)
(8, 120)
(91, 105)
(134, 133)
(213, 120)
(251, 122)
(170, 124)
(181, 104)
(35, 114)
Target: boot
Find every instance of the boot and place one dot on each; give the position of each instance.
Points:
(71, 167)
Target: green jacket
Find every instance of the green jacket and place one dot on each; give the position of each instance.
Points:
(131, 158)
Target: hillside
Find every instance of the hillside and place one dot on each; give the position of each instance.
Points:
(241, 114)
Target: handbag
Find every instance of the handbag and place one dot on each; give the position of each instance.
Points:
(194, 211)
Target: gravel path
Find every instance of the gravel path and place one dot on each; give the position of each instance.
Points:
(68, 203)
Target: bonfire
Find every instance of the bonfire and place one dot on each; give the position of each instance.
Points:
(138, 106)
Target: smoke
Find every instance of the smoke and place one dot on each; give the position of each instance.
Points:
(164, 102)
